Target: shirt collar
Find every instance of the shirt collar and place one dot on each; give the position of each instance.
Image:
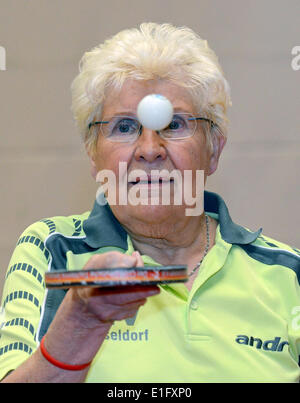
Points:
(103, 229)
(230, 232)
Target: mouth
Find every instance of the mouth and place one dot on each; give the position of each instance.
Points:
(151, 181)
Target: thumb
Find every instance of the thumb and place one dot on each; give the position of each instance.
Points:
(139, 260)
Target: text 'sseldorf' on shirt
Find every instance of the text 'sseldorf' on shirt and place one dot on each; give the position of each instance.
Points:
(240, 321)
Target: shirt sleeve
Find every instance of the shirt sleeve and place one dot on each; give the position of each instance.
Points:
(23, 298)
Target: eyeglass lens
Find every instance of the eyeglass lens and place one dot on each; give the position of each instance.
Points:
(124, 128)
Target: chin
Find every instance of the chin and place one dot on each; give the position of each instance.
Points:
(148, 214)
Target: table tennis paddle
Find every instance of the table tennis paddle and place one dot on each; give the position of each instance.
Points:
(116, 277)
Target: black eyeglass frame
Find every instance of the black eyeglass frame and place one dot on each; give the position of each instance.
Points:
(212, 123)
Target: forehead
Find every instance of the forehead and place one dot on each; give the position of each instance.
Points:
(132, 92)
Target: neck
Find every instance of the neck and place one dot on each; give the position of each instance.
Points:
(176, 246)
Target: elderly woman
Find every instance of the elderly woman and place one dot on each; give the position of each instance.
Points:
(237, 316)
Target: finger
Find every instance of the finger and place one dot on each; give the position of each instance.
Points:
(124, 295)
(139, 259)
(129, 306)
(110, 260)
(109, 312)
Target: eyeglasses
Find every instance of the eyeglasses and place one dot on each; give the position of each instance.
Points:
(126, 129)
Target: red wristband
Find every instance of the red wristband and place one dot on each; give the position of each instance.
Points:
(60, 364)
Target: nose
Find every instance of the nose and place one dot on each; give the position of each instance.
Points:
(150, 146)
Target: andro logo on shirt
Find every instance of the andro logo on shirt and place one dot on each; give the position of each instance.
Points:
(269, 345)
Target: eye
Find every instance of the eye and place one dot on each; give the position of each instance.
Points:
(181, 126)
(178, 123)
(123, 126)
(126, 126)
(174, 125)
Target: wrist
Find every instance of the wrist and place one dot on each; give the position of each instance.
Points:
(60, 364)
(78, 313)
(75, 336)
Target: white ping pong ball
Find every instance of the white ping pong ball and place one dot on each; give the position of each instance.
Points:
(155, 112)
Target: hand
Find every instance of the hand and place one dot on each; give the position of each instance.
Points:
(113, 303)
(86, 313)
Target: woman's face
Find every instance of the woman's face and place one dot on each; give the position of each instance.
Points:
(151, 152)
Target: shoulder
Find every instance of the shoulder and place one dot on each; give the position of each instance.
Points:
(31, 256)
(66, 225)
(271, 252)
(32, 243)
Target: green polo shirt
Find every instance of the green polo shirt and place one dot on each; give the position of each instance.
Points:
(240, 321)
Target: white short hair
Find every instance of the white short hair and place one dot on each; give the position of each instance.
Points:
(152, 51)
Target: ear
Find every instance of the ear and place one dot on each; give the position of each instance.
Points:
(218, 141)
(93, 168)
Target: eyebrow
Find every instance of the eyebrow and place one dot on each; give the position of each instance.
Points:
(133, 114)
(178, 109)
